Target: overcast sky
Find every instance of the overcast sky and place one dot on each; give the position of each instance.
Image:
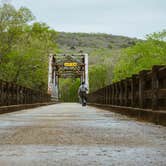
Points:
(134, 18)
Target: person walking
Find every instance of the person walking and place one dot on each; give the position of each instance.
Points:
(82, 91)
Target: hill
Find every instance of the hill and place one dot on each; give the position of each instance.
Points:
(87, 42)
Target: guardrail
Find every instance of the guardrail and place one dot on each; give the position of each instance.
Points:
(13, 94)
(145, 90)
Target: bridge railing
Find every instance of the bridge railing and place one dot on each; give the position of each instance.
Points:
(145, 90)
(13, 94)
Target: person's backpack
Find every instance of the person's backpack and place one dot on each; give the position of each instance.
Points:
(83, 88)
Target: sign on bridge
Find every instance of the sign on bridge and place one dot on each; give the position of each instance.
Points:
(70, 64)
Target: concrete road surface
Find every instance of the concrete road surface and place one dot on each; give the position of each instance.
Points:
(70, 135)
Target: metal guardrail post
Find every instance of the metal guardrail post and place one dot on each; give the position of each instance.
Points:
(133, 91)
(142, 78)
(155, 87)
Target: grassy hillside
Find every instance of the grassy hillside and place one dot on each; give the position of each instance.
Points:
(99, 46)
(74, 42)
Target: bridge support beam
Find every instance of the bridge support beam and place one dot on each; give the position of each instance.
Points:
(86, 71)
(52, 78)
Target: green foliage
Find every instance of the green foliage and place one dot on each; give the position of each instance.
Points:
(97, 77)
(69, 89)
(142, 56)
(24, 48)
(12, 22)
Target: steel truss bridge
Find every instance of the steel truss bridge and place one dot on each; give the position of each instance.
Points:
(66, 66)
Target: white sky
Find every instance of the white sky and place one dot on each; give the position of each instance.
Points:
(134, 18)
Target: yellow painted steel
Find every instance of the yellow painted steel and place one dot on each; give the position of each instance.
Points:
(70, 64)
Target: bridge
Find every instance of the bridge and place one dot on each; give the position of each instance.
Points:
(36, 130)
(66, 66)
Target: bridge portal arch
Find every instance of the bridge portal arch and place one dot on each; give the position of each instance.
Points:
(66, 66)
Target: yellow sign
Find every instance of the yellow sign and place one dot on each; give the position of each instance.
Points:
(70, 64)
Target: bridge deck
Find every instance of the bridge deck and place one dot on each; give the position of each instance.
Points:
(68, 134)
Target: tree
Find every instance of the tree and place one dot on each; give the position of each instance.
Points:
(24, 48)
(12, 22)
(142, 56)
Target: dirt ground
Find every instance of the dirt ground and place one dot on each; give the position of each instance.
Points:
(70, 135)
